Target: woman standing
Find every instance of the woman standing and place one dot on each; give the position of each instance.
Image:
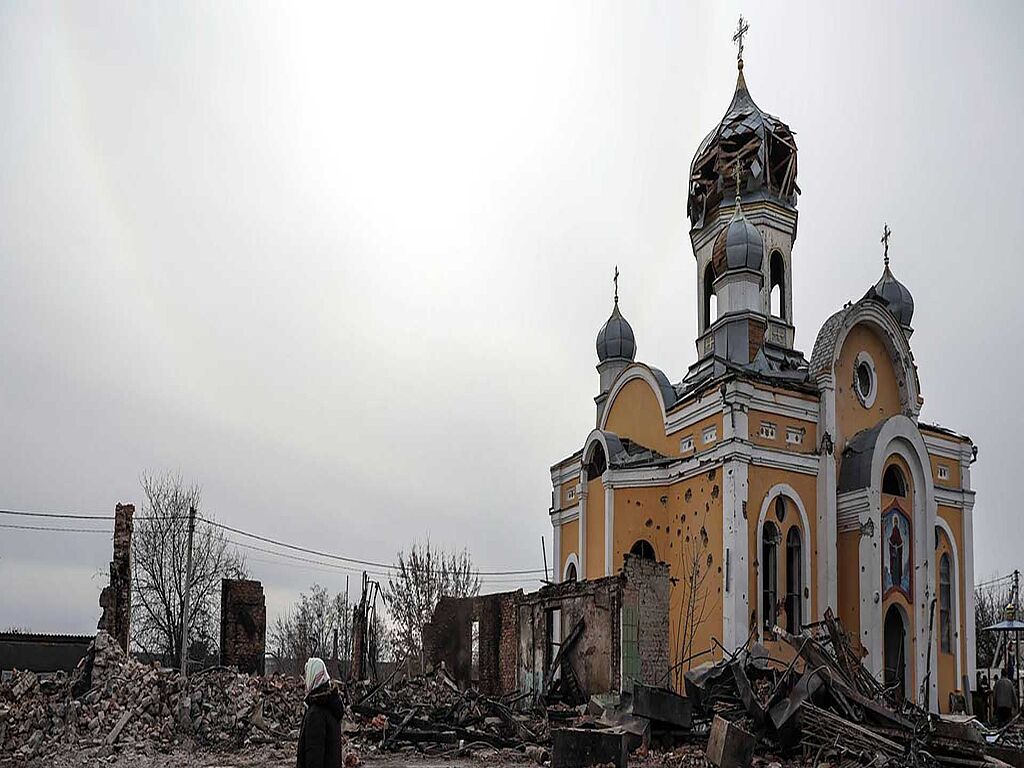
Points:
(320, 735)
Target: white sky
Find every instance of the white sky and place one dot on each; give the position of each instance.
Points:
(343, 265)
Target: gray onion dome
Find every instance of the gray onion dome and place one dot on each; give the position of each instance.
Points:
(895, 295)
(615, 340)
(738, 246)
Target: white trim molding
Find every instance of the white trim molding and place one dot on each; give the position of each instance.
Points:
(900, 436)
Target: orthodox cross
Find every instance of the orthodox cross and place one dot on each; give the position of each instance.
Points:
(616, 281)
(741, 30)
(885, 241)
(736, 173)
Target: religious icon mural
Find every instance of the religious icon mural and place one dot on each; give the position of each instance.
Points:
(896, 550)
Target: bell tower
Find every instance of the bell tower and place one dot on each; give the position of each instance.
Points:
(749, 157)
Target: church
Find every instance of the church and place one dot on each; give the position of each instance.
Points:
(778, 488)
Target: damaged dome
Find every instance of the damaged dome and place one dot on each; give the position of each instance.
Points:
(763, 146)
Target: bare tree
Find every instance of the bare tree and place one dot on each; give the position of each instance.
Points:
(989, 608)
(694, 567)
(422, 578)
(307, 629)
(159, 552)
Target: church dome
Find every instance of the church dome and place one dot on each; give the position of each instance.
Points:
(895, 295)
(760, 143)
(615, 340)
(738, 246)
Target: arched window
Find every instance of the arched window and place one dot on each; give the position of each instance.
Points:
(570, 572)
(794, 581)
(597, 464)
(945, 603)
(643, 549)
(777, 285)
(710, 299)
(769, 574)
(893, 482)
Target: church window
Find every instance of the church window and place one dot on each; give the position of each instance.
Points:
(777, 286)
(767, 430)
(597, 464)
(780, 508)
(769, 575)
(710, 434)
(643, 549)
(945, 601)
(710, 299)
(572, 493)
(893, 482)
(794, 581)
(865, 382)
(686, 444)
(943, 472)
(570, 572)
(794, 435)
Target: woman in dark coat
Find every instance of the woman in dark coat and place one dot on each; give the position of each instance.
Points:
(320, 735)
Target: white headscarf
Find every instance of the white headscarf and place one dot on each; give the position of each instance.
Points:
(316, 674)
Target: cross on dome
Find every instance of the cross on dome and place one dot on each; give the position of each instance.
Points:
(741, 29)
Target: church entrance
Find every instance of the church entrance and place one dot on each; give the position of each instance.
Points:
(895, 657)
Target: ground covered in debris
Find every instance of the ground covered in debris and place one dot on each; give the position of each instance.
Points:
(822, 708)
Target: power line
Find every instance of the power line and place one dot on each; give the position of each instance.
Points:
(58, 515)
(11, 526)
(352, 560)
(334, 567)
(991, 582)
(387, 568)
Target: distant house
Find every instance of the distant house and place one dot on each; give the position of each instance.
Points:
(41, 653)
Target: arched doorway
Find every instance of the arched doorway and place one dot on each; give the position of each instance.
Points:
(895, 651)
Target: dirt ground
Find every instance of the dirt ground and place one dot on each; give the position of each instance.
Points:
(262, 757)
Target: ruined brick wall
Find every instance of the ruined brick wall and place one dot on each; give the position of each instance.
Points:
(647, 583)
(508, 640)
(116, 598)
(357, 665)
(449, 638)
(243, 625)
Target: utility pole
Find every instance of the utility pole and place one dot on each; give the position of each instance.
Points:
(1016, 632)
(188, 592)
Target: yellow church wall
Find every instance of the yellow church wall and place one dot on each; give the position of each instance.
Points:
(782, 423)
(564, 491)
(954, 519)
(696, 431)
(947, 661)
(636, 414)
(570, 543)
(683, 522)
(595, 529)
(760, 481)
(848, 566)
(851, 416)
(953, 481)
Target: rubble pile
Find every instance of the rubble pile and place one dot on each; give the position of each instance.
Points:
(825, 705)
(112, 701)
(431, 714)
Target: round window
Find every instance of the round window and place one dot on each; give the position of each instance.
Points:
(865, 382)
(864, 379)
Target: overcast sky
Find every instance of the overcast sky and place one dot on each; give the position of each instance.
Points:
(344, 266)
